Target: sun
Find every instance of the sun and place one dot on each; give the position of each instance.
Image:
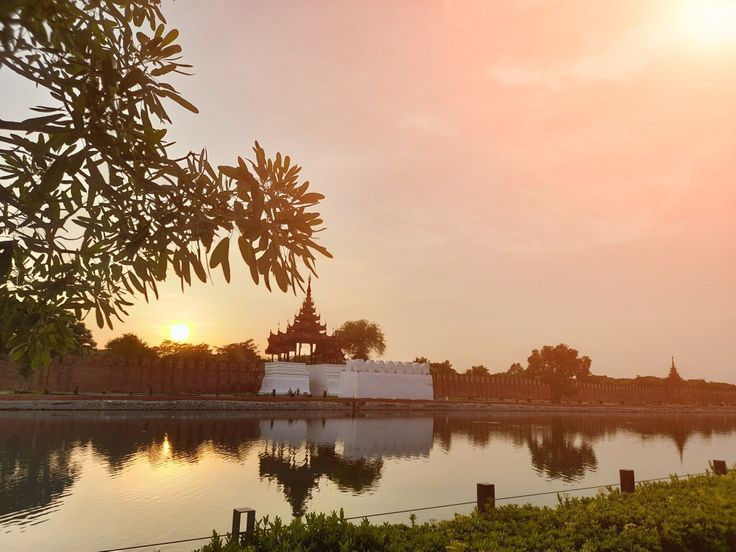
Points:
(709, 22)
(179, 332)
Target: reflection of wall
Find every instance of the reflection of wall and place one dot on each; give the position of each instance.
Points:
(388, 437)
(359, 437)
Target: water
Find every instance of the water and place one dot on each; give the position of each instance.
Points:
(89, 481)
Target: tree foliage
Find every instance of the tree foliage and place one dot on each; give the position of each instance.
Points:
(360, 339)
(479, 370)
(84, 342)
(128, 345)
(95, 207)
(172, 350)
(244, 351)
(437, 368)
(516, 369)
(558, 366)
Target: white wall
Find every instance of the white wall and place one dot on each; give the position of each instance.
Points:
(285, 377)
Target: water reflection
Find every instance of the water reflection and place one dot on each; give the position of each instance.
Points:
(38, 467)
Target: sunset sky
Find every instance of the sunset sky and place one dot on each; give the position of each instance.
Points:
(499, 174)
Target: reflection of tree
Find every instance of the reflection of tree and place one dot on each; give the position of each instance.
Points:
(554, 451)
(299, 477)
(33, 475)
(36, 467)
(562, 445)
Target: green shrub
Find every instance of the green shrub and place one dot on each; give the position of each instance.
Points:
(676, 516)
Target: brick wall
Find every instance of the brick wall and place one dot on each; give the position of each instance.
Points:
(98, 374)
(515, 388)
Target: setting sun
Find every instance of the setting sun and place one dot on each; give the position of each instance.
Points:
(709, 22)
(179, 332)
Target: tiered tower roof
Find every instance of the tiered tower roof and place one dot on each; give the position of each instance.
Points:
(307, 328)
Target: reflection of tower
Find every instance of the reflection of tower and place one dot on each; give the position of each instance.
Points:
(301, 452)
(299, 478)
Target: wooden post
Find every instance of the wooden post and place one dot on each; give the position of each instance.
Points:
(486, 494)
(627, 481)
(250, 522)
(719, 467)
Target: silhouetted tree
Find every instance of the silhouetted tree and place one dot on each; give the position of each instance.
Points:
(128, 345)
(360, 338)
(479, 370)
(96, 208)
(183, 351)
(239, 352)
(516, 369)
(558, 366)
(85, 343)
(444, 367)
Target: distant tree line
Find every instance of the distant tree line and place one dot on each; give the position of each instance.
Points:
(129, 345)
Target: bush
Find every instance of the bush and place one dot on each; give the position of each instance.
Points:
(676, 516)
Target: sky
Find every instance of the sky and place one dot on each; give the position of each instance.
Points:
(499, 175)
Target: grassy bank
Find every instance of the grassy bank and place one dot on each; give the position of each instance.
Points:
(680, 515)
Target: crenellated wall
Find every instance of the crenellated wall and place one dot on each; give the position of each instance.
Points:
(98, 374)
(514, 388)
(103, 374)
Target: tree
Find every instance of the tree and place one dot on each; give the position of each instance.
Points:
(360, 338)
(443, 368)
(128, 345)
(244, 351)
(435, 368)
(95, 207)
(172, 350)
(516, 369)
(85, 343)
(479, 370)
(558, 366)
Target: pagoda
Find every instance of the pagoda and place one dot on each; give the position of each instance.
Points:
(306, 329)
(674, 376)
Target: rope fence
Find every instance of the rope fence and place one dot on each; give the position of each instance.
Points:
(485, 500)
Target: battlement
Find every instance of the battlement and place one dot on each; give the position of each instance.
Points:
(389, 367)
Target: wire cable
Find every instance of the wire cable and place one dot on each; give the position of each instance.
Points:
(422, 508)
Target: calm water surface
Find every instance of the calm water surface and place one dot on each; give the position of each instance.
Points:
(88, 481)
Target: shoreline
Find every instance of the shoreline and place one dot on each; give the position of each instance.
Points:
(21, 402)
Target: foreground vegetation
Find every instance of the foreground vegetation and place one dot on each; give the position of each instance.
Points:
(680, 515)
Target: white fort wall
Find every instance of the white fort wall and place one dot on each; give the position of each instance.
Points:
(386, 380)
(285, 377)
(324, 378)
(360, 379)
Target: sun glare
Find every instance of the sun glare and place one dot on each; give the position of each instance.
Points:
(179, 332)
(709, 22)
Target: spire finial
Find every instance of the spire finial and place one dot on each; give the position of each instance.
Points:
(309, 286)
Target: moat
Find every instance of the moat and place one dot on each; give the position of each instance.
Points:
(136, 478)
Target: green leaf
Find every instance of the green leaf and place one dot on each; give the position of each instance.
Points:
(181, 101)
(98, 315)
(220, 254)
(6, 256)
(249, 256)
(53, 175)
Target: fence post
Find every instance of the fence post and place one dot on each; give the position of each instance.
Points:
(486, 494)
(719, 467)
(627, 481)
(250, 522)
